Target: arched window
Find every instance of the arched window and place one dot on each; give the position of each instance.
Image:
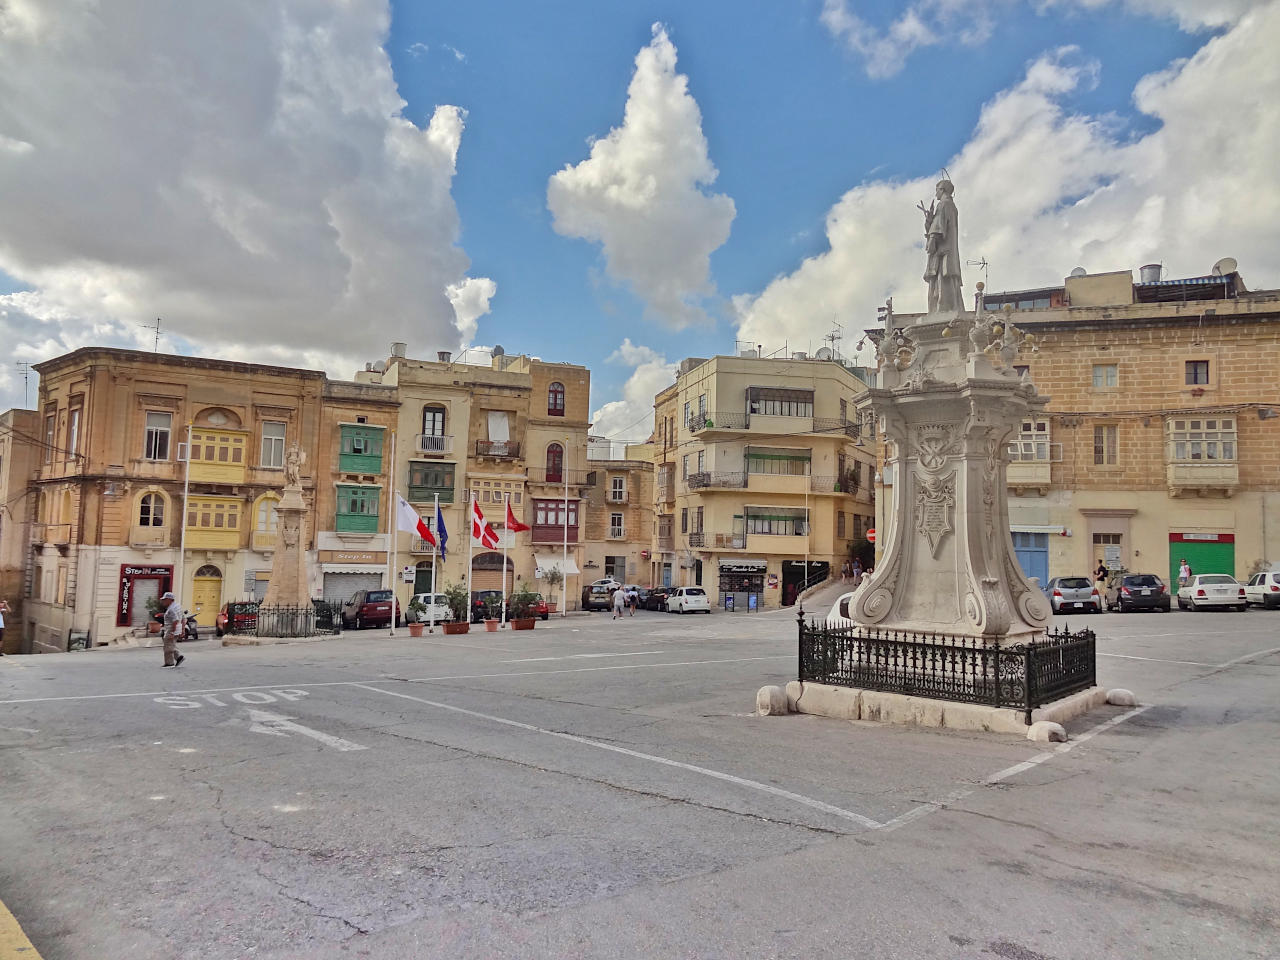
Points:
(555, 399)
(555, 463)
(151, 510)
(208, 570)
(266, 517)
(433, 420)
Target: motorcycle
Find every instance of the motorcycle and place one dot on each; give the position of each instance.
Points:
(190, 629)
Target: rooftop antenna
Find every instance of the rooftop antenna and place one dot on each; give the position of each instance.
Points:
(25, 369)
(834, 338)
(982, 264)
(155, 348)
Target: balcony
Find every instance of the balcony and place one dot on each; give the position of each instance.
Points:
(148, 538)
(719, 420)
(666, 490)
(835, 425)
(698, 539)
(728, 541)
(576, 478)
(1029, 474)
(427, 494)
(846, 484)
(706, 479)
(433, 445)
(209, 538)
(58, 534)
(771, 544)
(666, 542)
(549, 533)
(617, 499)
(498, 449)
(262, 541)
(419, 546)
(779, 483)
(1203, 477)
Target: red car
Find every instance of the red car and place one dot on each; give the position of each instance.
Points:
(370, 608)
(537, 608)
(236, 616)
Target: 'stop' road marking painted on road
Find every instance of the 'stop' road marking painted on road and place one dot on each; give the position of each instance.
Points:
(586, 741)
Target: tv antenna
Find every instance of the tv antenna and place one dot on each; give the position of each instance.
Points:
(25, 368)
(834, 338)
(146, 326)
(983, 264)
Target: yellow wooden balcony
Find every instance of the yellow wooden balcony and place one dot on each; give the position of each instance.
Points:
(219, 456)
(1203, 477)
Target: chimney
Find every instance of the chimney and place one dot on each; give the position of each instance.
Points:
(443, 356)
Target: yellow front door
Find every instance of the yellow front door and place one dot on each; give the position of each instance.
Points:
(206, 599)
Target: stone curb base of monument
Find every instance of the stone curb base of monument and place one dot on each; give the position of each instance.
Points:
(849, 703)
(234, 640)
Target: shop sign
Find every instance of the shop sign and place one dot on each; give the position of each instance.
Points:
(130, 572)
(351, 556)
(743, 566)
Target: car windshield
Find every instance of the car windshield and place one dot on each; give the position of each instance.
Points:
(377, 596)
(695, 592)
(1142, 580)
(1216, 578)
(1074, 583)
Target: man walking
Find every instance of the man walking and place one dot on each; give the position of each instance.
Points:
(172, 630)
(619, 601)
(4, 608)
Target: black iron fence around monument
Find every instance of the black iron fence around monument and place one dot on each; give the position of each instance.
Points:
(964, 669)
(321, 617)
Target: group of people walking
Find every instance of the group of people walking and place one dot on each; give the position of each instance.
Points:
(852, 572)
(625, 599)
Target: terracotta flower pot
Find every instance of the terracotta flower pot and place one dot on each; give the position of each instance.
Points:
(417, 629)
(522, 623)
(491, 625)
(460, 626)
(154, 627)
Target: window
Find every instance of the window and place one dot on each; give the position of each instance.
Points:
(427, 479)
(686, 415)
(684, 519)
(49, 427)
(1200, 439)
(1032, 443)
(213, 514)
(702, 406)
(615, 525)
(268, 516)
(433, 421)
(702, 460)
(151, 510)
(697, 520)
(1104, 445)
(776, 521)
(840, 525)
(73, 433)
(555, 463)
(156, 446)
(684, 467)
(272, 444)
(1105, 375)
(775, 402)
(844, 410)
(361, 449)
(1197, 372)
(788, 463)
(210, 446)
(357, 509)
(551, 513)
(615, 567)
(618, 489)
(555, 399)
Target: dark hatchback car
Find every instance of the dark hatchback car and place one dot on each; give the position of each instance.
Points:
(1137, 591)
(370, 608)
(479, 601)
(597, 597)
(656, 599)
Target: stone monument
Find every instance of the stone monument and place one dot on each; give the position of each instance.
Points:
(947, 403)
(290, 584)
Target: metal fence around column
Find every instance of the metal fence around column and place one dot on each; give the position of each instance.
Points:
(320, 618)
(963, 669)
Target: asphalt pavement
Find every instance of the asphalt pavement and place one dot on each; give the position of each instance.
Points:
(600, 788)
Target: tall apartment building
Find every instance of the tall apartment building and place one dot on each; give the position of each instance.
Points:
(1161, 439)
(516, 428)
(19, 452)
(619, 509)
(760, 478)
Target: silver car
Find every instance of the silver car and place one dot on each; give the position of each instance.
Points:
(1073, 594)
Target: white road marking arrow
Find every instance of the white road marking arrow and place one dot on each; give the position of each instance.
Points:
(279, 726)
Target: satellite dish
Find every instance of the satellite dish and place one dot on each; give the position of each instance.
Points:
(498, 351)
(1224, 266)
(824, 353)
(1079, 272)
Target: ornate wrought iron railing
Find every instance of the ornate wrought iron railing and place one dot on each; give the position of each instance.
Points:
(964, 669)
(720, 419)
(320, 618)
(835, 425)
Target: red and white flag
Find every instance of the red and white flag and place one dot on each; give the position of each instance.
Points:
(481, 531)
(514, 525)
(410, 521)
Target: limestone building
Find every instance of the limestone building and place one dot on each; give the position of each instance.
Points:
(619, 511)
(759, 477)
(19, 452)
(1161, 439)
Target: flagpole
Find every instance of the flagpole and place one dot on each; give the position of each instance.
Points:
(393, 531)
(564, 556)
(471, 546)
(433, 569)
(505, 533)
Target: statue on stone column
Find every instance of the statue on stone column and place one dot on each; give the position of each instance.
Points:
(293, 461)
(942, 246)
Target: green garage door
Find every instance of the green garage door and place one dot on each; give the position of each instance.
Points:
(1206, 552)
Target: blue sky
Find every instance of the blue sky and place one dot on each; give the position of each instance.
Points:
(270, 201)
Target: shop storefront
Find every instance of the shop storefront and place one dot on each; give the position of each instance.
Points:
(742, 585)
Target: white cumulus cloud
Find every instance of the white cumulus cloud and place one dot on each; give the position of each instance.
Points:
(641, 193)
(1041, 190)
(631, 418)
(243, 170)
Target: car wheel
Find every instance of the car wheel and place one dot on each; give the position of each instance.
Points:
(1243, 608)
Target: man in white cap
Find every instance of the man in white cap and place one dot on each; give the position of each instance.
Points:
(172, 630)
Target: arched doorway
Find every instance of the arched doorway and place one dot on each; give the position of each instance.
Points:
(206, 594)
(486, 572)
(422, 577)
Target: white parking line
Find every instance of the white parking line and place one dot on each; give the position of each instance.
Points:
(586, 741)
(586, 656)
(1189, 663)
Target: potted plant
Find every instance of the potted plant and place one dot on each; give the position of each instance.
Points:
(459, 603)
(521, 617)
(416, 609)
(554, 577)
(492, 612)
(154, 623)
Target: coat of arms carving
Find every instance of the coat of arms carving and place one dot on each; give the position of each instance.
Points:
(935, 501)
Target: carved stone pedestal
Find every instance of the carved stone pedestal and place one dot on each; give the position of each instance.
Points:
(948, 402)
(289, 581)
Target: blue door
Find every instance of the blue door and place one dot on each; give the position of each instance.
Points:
(1032, 550)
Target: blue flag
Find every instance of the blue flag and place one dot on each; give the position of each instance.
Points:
(441, 533)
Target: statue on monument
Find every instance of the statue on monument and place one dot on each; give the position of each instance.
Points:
(942, 247)
(293, 461)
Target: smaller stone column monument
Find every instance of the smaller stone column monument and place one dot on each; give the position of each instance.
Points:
(289, 587)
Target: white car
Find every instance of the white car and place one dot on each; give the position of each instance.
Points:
(441, 613)
(1263, 589)
(688, 599)
(1212, 590)
(609, 582)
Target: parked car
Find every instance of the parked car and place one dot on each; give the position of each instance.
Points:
(688, 599)
(441, 613)
(1263, 589)
(1068, 594)
(236, 616)
(656, 599)
(1212, 590)
(609, 582)
(1137, 591)
(597, 597)
(480, 600)
(370, 608)
(538, 607)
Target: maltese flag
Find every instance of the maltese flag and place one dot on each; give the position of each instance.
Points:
(481, 531)
(409, 520)
(514, 525)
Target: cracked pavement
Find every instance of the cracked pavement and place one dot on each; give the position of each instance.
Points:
(513, 798)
